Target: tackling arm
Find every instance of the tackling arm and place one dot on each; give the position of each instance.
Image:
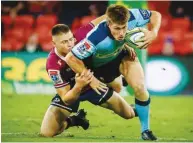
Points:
(69, 96)
(150, 35)
(76, 65)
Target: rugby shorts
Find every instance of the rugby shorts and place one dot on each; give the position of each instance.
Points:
(88, 95)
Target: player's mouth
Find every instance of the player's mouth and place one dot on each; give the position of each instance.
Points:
(70, 47)
(120, 38)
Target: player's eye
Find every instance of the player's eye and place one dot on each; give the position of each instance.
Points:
(64, 42)
(71, 39)
(117, 28)
(124, 27)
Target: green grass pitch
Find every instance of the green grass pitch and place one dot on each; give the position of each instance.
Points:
(171, 120)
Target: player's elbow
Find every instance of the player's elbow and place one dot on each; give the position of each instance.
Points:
(156, 14)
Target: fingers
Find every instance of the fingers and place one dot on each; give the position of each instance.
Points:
(90, 78)
(133, 55)
(96, 90)
(86, 73)
(98, 86)
(126, 45)
(131, 52)
(143, 30)
(102, 86)
(145, 46)
(83, 73)
(102, 89)
(141, 40)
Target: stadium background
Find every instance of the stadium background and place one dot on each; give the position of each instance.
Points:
(26, 41)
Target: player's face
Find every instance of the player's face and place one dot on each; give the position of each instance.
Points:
(64, 42)
(118, 31)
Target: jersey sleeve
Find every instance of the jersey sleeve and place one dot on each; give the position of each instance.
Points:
(81, 33)
(56, 77)
(55, 68)
(142, 16)
(84, 49)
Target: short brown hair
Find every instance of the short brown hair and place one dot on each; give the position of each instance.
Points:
(117, 14)
(59, 29)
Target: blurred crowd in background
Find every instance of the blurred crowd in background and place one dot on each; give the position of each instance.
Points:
(26, 25)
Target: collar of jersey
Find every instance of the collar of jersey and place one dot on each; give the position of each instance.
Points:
(109, 32)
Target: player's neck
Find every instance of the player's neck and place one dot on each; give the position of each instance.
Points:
(60, 54)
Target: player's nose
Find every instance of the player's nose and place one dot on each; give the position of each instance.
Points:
(122, 32)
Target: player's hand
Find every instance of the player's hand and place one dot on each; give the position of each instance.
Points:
(131, 52)
(147, 39)
(84, 78)
(98, 86)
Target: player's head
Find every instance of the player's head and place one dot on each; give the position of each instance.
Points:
(117, 19)
(62, 38)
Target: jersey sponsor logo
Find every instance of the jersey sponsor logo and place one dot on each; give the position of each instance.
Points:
(55, 76)
(144, 14)
(87, 45)
(83, 47)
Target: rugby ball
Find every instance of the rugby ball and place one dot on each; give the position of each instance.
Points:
(132, 36)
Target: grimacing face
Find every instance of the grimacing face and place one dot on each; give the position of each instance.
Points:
(118, 31)
(64, 42)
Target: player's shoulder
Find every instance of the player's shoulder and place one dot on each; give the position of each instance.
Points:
(54, 61)
(81, 33)
(99, 33)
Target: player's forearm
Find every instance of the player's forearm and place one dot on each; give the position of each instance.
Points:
(72, 95)
(75, 64)
(155, 21)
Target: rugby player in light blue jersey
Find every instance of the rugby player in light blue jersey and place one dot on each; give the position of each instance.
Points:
(105, 52)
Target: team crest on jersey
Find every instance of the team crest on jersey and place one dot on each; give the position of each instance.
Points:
(144, 14)
(84, 47)
(55, 76)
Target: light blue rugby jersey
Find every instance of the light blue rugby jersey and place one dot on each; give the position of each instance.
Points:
(100, 44)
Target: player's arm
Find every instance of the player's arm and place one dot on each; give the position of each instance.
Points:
(143, 17)
(68, 95)
(74, 59)
(155, 22)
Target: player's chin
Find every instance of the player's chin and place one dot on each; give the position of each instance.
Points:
(69, 49)
(120, 39)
